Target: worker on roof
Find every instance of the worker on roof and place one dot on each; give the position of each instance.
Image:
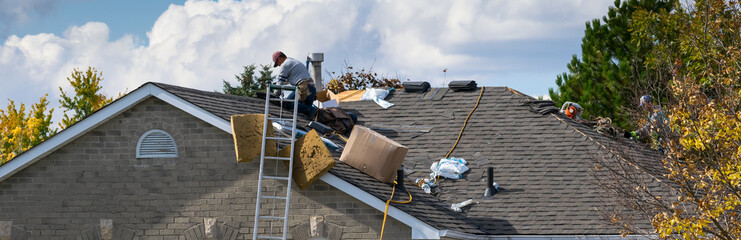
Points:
(294, 72)
(650, 130)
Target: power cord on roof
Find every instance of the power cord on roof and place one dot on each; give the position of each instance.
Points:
(466, 122)
(386, 212)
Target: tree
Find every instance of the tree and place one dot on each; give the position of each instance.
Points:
(20, 131)
(355, 80)
(700, 46)
(87, 98)
(248, 82)
(604, 80)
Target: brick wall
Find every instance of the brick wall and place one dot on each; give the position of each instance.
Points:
(98, 176)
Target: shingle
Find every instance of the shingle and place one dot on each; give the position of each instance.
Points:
(544, 190)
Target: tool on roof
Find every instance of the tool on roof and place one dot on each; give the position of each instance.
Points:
(462, 85)
(572, 110)
(262, 175)
(320, 128)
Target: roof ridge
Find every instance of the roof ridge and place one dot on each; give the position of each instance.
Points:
(168, 87)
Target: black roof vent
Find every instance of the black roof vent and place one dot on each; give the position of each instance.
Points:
(462, 85)
(416, 86)
(491, 186)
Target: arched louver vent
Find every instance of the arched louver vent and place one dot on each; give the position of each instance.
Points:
(156, 144)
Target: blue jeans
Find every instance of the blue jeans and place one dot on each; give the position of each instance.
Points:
(306, 106)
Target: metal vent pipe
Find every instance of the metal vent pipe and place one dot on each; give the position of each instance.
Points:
(316, 69)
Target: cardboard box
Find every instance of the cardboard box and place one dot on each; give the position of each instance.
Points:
(247, 133)
(311, 159)
(374, 154)
(326, 99)
(325, 95)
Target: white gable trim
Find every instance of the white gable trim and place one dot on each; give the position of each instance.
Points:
(420, 230)
(73, 132)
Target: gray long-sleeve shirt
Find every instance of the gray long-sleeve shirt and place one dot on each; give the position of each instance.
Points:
(293, 71)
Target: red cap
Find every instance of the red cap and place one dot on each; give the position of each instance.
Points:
(276, 54)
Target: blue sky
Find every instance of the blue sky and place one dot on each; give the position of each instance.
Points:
(122, 17)
(520, 44)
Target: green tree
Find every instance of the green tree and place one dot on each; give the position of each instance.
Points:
(20, 131)
(701, 46)
(87, 99)
(611, 67)
(248, 82)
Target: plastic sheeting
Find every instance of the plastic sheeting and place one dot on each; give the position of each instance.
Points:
(452, 168)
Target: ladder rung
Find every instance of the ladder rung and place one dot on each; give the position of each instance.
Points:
(274, 197)
(280, 119)
(278, 158)
(277, 178)
(281, 100)
(278, 138)
(273, 217)
(268, 237)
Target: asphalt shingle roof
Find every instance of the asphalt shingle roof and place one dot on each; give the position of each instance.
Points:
(543, 162)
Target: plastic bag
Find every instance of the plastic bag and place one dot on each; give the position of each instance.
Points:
(383, 103)
(426, 184)
(373, 93)
(452, 168)
(378, 95)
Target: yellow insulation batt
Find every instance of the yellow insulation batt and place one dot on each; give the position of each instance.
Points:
(311, 159)
(247, 132)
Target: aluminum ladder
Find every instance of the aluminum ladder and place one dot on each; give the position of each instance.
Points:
(260, 195)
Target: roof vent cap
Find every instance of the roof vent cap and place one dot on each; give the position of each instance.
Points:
(416, 86)
(462, 85)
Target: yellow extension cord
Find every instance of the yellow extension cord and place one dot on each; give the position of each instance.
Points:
(466, 122)
(383, 226)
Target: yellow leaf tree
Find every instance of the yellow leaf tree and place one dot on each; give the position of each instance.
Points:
(20, 131)
(700, 46)
(87, 98)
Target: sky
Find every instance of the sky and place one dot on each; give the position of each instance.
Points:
(521, 44)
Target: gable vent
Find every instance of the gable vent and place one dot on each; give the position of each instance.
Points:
(156, 144)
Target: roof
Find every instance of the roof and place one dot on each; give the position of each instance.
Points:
(541, 160)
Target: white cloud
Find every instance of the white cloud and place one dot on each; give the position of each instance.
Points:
(200, 43)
